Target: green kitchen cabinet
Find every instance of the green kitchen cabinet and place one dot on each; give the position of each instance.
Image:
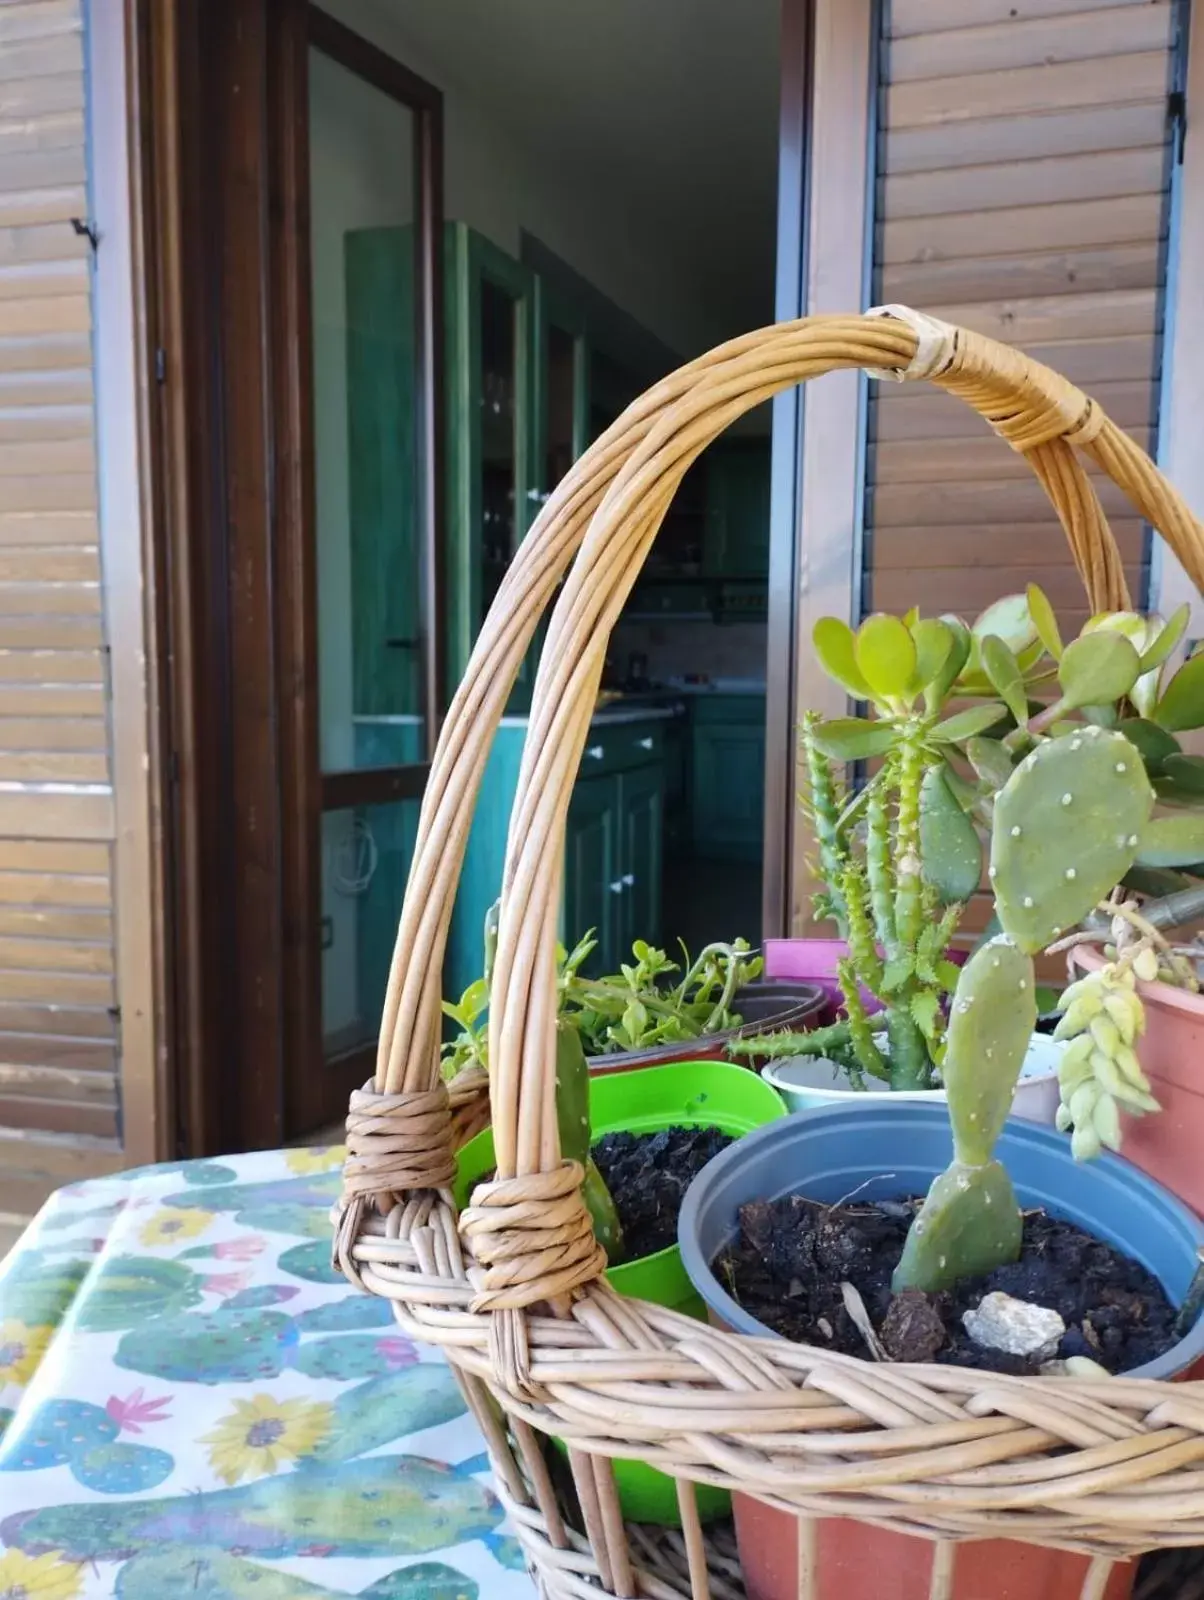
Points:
(492, 471)
(641, 858)
(736, 534)
(614, 846)
(727, 792)
(592, 883)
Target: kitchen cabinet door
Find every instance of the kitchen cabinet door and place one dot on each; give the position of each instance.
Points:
(736, 538)
(492, 474)
(593, 887)
(641, 856)
(729, 790)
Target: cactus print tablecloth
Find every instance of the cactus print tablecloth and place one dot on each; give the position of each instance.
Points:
(192, 1403)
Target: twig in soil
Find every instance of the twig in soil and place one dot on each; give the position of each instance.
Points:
(860, 1318)
(1193, 1300)
(844, 1199)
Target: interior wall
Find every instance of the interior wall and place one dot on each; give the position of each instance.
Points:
(501, 188)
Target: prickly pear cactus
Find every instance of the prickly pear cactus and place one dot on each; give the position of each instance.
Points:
(1067, 827)
(970, 1222)
(211, 1347)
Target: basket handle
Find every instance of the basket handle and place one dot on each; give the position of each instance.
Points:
(607, 512)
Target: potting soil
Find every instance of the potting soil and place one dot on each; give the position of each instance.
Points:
(648, 1175)
(793, 1254)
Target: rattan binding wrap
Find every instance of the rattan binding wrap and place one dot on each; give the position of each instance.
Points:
(512, 1289)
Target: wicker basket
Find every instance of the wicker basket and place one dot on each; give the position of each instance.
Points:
(513, 1289)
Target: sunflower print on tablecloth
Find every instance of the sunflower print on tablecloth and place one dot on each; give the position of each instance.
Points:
(261, 1434)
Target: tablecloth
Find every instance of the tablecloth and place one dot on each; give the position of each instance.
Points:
(193, 1402)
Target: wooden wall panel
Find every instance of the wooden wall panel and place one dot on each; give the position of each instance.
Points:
(59, 1024)
(1023, 165)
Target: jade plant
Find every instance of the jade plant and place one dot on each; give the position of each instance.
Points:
(1115, 676)
(637, 1007)
(900, 855)
(1068, 824)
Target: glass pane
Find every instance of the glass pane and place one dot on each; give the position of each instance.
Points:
(366, 853)
(368, 461)
(561, 394)
(499, 345)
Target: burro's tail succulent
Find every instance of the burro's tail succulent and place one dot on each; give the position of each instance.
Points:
(1067, 827)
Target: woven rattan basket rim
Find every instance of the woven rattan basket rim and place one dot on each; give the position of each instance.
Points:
(513, 1290)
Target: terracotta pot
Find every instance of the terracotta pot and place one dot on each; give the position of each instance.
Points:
(765, 1007)
(855, 1561)
(880, 1152)
(1167, 1144)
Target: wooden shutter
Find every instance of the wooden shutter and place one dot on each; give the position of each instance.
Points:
(1023, 159)
(58, 1051)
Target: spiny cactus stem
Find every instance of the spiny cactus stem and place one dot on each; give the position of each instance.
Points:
(862, 948)
(824, 799)
(861, 1033)
(878, 869)
(909, 909)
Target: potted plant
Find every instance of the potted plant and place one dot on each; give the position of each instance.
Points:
(899, 856)
(1135, 1021)
(650, 1131)
(1068, 824)
(651, 1012)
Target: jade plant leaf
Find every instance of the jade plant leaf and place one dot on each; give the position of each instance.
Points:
(1186, 773)
(1066, 829)
(1172, 841)
(833, 642)
(968, 723)
(1046, 624)
(959, 653)
(1008, 619)
(1182, 702)
(1001, 666)
(1165, 639)
(851, 739)
(886, 656)
(1155, 744)
(990, 760)
(1097, 668)
(950, 848)
(933, 642)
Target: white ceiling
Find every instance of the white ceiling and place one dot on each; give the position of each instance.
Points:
(674, 100)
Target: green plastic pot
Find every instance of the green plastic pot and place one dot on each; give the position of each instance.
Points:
(690, 1094)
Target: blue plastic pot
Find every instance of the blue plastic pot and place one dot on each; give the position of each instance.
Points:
(826, 1155)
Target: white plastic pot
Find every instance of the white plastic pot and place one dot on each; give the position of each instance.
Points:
(806, 1083)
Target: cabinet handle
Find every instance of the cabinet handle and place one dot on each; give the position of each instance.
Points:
(595, 752)
(616, 887)
(629, 879)
(538, 496)
(646, 744)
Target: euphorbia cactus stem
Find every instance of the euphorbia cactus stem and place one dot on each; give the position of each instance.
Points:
(878, 869)
(909, 906)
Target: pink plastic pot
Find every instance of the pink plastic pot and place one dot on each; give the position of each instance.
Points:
(1168, 1144)
(814, 961)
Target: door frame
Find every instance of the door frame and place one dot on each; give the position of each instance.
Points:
(222, 94)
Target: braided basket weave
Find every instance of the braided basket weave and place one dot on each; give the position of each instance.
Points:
(513, 1288)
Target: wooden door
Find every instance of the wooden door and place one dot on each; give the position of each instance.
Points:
(371, 546)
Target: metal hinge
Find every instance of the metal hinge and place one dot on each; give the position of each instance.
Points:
(87, 229)
(160, 365)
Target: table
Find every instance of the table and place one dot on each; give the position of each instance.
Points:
(193, 1401)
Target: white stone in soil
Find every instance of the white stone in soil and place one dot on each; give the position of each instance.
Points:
(1001, 1322)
